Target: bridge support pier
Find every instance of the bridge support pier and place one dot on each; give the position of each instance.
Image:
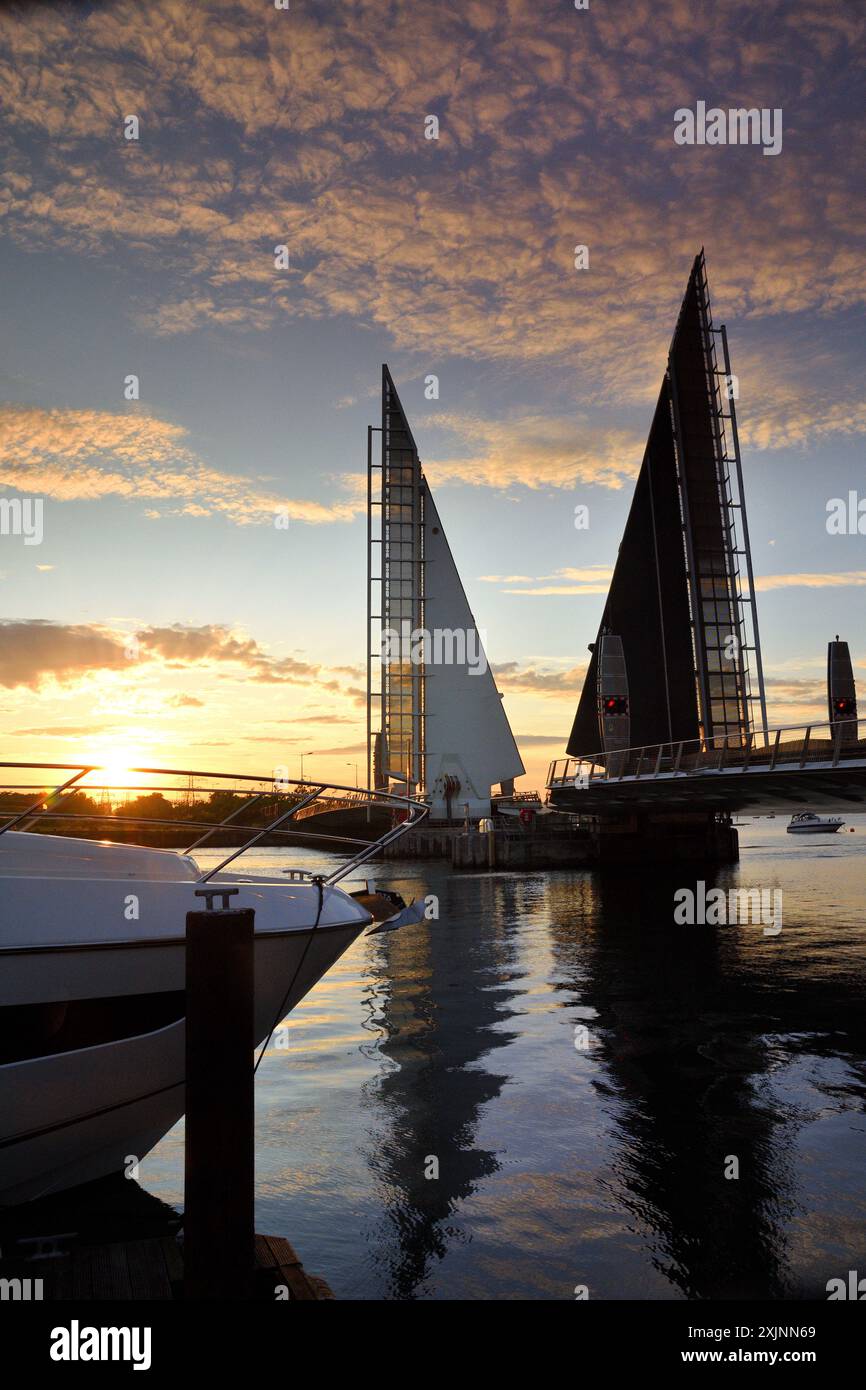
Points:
(669, 837)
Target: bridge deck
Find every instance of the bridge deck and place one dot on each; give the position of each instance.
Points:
(818, 766)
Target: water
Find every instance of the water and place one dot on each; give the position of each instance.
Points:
(561, 1165)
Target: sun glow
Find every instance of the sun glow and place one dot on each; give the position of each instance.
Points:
(115, 769)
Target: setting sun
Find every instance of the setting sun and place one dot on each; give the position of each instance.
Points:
(115, 769)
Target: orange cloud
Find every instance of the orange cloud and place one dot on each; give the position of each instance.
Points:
(82, 455)
(846, 579)
(34, 652)
(511, 677)
(477, 250)
(590, 579)
(536, 451)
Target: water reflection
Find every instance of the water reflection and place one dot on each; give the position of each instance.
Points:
(712, 1050)
(604, 1166)
(681, 1041)
(450, 987)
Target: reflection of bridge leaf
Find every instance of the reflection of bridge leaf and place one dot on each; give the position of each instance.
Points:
(441, 1031)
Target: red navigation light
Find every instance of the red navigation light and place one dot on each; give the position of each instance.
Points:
(845, 706)
(616, 704)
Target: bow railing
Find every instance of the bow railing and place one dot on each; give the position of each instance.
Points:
(188, 809)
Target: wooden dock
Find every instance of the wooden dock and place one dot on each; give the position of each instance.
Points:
(152, 1269)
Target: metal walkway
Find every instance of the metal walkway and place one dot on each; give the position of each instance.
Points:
(814, 766)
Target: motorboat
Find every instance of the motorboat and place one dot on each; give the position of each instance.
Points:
(92, 958)
(808, 823)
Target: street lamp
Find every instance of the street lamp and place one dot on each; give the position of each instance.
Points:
(355, 766)
(303, 755)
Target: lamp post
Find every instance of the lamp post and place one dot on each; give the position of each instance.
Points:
(355, 766)
(303, 755)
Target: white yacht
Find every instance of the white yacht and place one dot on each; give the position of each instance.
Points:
(92, 976)
(807, 823)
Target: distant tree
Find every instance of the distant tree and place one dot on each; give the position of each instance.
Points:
(76, 804)
(153, 806)
(14, 802)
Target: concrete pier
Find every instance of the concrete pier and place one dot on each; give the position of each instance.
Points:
(628, 839)
(502, 849)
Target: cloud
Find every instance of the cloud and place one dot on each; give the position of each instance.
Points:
(560, 590)
(595, 579)
(36, 651)
(504, 579)
(83, 455)
(62, 731)
(540, 740)
(183, 646)
(791, 690)
(180, 645)
(590, 579)
(335, 752)
(315, 718)
(843, 580)
(544, 144)
(537, 451)
(511, 677)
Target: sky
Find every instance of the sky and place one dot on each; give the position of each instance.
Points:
(164, 618)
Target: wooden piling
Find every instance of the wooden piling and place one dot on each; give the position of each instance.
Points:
(219, 1227)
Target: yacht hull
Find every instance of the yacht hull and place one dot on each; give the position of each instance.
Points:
(73, 1116)
(813, 829)
(92, 995)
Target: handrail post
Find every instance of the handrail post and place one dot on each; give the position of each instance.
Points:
(268, 830)
(775, 753)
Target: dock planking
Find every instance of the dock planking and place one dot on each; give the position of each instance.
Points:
(151, 1269)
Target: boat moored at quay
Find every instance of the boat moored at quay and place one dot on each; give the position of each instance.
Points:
(92, 952)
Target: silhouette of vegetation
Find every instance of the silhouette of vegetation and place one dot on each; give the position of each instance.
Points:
(119, 818)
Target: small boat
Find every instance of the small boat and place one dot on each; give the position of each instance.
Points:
(92, 956)
(807, 823)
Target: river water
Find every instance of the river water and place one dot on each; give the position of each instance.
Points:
(585, 1076)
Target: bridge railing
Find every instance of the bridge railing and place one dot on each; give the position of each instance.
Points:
(799, 745)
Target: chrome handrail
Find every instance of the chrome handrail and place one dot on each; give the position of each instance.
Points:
(761, 750)
(413, 811)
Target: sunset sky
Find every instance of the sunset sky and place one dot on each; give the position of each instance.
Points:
(306, 127)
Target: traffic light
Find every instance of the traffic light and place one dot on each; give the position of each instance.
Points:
(616, 704)
(845, 707)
